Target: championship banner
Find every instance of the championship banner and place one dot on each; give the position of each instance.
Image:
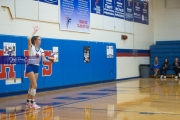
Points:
(97, 7)
(129, 10)
(138, 12)
(109, 8)
(75, 15)
(145, 13)
(119, 9)
(53, 2)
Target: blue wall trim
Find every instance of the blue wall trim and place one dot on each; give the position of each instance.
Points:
(124, 50)
(143, 51)
(129, 53)
(131, 50)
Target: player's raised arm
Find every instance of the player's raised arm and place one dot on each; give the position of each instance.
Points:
(30, 37)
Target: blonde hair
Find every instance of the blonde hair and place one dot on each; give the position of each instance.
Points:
(156, 60)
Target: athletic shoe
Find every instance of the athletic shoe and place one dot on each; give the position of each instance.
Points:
(176, 77)
(28, 105)
(161, 76)
(35, 106)
(164, 77)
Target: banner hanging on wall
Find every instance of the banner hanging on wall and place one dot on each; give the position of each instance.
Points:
(138, 12)
(75, 15)
(97, 7)
(109, 8)
(129, 10)
(54, 2)
(119, 9)
(145, 13)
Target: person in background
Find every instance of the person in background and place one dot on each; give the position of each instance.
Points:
(176, 66)
(164, 68)
(156, 66)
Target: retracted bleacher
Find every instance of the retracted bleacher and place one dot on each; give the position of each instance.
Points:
(165, 49)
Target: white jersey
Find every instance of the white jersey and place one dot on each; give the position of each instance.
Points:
(34, 55)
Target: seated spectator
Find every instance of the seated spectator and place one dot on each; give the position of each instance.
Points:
(156, 66)
(176, 66)
(164, 68)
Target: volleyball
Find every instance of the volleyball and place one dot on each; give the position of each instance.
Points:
(53, 57)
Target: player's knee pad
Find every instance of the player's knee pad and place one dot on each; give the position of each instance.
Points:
(29, 90)
(32, 91)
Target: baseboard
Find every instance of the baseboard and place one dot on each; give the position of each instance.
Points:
(128, 78)
(167, 76)
(64, 87)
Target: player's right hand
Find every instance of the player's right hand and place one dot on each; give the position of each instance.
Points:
(36, 28)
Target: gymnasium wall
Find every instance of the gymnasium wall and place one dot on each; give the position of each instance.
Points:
(18, 20)
(166, 20)
(69, 70)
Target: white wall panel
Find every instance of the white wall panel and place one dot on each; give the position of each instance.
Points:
(108, 23)
(48, 12)
(27, 9)
(119, 25)
(97, 21)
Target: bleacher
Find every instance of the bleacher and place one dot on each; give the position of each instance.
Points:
(165, 49)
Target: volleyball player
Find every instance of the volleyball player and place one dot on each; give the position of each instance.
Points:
(35, 53)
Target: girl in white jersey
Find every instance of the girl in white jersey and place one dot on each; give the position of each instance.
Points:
(34, 57)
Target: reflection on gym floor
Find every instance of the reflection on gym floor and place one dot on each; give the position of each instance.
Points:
(137, 99)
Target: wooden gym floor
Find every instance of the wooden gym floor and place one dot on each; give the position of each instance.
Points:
(136, 99)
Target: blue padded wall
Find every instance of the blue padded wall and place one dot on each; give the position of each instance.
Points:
(70, 70)
(15, 87)
(57, 68)
(104, 68)
(111, 64)
(99, 62)
(75, 70)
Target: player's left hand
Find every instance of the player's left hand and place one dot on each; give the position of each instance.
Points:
(51, 61)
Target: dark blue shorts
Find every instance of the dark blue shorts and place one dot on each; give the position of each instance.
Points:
(32, 68)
